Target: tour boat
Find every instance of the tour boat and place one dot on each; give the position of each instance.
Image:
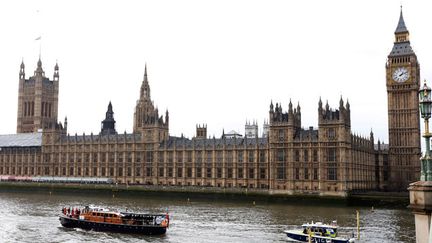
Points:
(101, 219)
(318, 233)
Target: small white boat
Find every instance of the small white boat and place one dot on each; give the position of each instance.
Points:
(318, 233)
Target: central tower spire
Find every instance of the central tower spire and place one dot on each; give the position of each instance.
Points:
(146, 117)
(145, 87)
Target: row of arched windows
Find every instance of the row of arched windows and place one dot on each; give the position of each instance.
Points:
(46, 109)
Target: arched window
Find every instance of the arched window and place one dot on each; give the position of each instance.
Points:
(46, 109)
(49, 110)
(42, 108)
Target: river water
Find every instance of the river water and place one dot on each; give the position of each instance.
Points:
(33, 217)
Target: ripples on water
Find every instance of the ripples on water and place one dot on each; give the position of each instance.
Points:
(33, 217)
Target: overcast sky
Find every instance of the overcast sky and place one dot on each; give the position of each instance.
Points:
(213, 62)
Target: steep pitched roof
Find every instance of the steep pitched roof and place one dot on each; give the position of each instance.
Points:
(209, 143)
(21, 140)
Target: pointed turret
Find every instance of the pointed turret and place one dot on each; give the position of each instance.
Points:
(22, 71)
(56, 72)
(166, 116)
(341, 103)
(372, 139)
(290, 108)
(39, 71)
(108, 124)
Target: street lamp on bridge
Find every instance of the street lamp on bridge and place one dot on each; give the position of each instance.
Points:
(425, 104)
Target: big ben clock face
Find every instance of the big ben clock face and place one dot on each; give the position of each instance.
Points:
(400, 75)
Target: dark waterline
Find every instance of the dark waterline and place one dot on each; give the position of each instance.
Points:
(33, 217)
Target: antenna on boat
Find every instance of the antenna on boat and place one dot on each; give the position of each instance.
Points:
(358, 225)
(310, 236)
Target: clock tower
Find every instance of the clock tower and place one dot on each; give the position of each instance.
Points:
(403, 82)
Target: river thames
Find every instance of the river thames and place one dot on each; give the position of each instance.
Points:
(33, 217)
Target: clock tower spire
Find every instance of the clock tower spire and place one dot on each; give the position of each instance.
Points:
(401, 29)
(403, 82)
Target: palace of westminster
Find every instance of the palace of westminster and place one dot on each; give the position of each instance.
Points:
(285, 159)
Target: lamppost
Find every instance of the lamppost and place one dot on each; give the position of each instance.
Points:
(421, 191)
(425, 104)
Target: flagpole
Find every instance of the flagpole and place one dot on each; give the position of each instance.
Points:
(40, 32)
(40, 45)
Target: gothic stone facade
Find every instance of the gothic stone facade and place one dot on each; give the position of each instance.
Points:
(329, 160)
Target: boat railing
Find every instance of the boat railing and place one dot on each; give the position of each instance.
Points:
(156, 220)
(142, 222)
(116, 217)
(147, 219)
